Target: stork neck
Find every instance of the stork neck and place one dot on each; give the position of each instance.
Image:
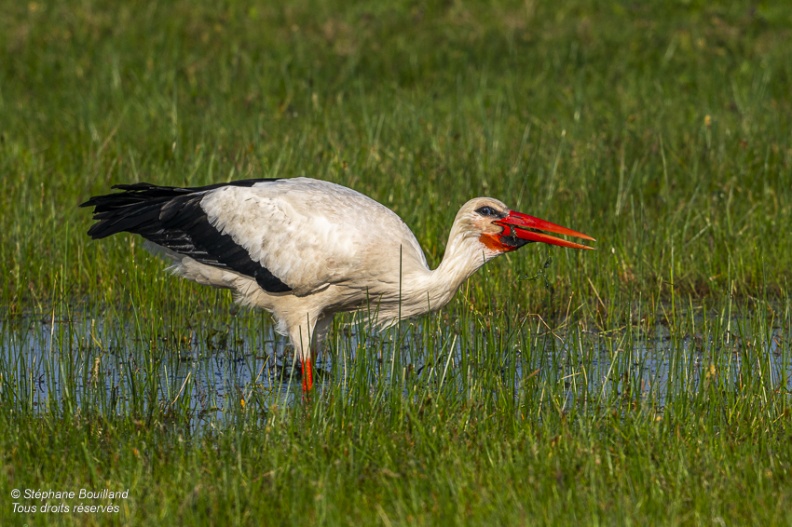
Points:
(461, 259)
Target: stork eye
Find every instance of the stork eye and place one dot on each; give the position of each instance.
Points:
(488, 211)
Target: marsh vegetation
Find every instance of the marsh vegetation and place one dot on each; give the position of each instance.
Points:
(647, 382)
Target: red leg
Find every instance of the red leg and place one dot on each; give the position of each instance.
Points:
(307, 375)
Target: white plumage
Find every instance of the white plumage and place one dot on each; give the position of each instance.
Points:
(306, 249)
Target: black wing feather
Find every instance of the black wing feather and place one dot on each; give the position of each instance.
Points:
(173, 217)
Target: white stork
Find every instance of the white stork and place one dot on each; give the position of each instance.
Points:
(305, 249)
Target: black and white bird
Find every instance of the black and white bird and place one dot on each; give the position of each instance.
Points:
(305, 249)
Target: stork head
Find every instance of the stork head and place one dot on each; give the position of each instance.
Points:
(501, 230)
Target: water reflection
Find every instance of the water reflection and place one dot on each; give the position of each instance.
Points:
(48, 363)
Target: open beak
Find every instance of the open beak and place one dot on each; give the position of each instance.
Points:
(527, 228)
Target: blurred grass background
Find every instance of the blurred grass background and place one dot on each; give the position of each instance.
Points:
(662, 129)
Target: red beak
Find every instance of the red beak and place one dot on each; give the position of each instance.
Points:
(526, 228)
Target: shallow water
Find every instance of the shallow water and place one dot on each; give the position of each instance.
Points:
(47, 363)
(54, 362)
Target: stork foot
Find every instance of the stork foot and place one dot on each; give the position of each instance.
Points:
(307, 375)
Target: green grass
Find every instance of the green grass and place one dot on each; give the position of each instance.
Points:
(644, 383)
